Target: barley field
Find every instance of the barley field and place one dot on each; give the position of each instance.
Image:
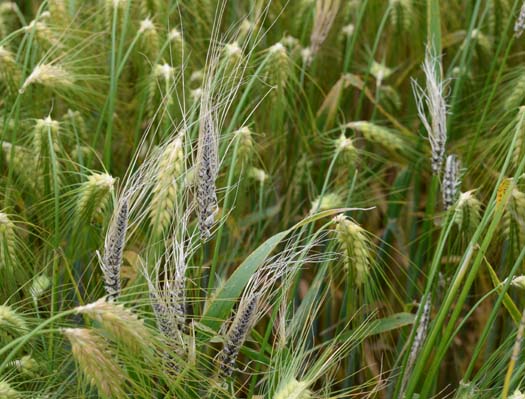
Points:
(281, 199)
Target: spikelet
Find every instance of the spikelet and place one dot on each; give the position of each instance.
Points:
(516, 92)
(95, 361)
(514, 219)
(207, 168)
(197, 78)
(518, 281)
(150, 7)
(177, 46)
(467, 213)
(8, 243)
(237, 333)
(380, 72)
(348, 31)
(277, 70)
(11, 323)
(113, 249)
(9, 71)
(161, 75)
(517, 393)
(246, 144)
(167, 185)
(451, 181)
(353, 240)
(168, 296)
(345, 147)
(39, 286)
(74, 123)
(326, 202)
(111, 7)
(482, 41)
(232, 56)
(519, 26)
(433, 98)
(43, 33)
(293, 389)
(257, 175)
(94, 195)
(149, 38)
(26, 365)
(43, 127)
(8, 10)
(47, 75)
(22, 162)
(402, 14)
(58, 10)
(324, 17)
(7, 392)
(125, 326)
(378, 134)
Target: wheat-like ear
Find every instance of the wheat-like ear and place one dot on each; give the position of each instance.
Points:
(293, 389)
(96, 362)
(378, 134)
(11, 323)
(353, 240)
(8, 392)
(167, 186)
(433, 98)
(94, 195)
(125, 326)
(113, 249)
(324, 17)
(467, 212)
(9, 70)
(48, 75)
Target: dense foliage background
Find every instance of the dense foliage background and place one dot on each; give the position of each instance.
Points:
(356, 250)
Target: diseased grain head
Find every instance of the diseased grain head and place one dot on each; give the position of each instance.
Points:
(451, 181)
(207, 169)
(113, 249)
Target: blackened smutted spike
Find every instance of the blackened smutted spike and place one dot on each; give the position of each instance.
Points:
(237, 335)
(207, 173)
(113, 249)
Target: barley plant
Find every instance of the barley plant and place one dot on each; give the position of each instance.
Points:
(282, 199)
